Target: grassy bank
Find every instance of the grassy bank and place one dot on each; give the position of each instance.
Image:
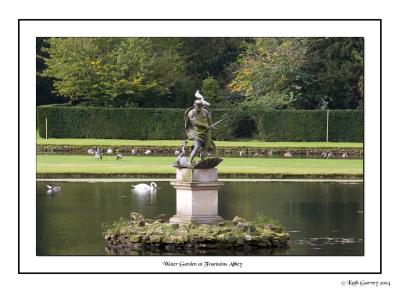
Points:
(176, 143)
(63, 164)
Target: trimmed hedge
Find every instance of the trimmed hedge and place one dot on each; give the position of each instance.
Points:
(310, 125)
(155, 124)
(346, 125)
(116, 123)
(293, 125)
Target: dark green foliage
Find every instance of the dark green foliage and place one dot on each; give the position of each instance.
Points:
(157, 123)
(293, 125)
(307, 125)
(301, 73)
(272, 73)
(44, 85)
(346, 125)
(210, 56)
(335, 67)
(243, 123)
(117, 123)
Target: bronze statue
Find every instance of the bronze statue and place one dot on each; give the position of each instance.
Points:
(198, 129)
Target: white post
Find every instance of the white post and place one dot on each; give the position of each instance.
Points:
(327, 125)
(46, 127)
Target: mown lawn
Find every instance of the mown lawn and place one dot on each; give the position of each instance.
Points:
(176, 143)
(162, 165)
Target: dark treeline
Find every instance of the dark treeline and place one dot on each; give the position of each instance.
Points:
(258, 73)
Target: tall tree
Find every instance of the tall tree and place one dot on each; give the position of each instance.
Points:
(269, 73)
(337, 69)
(305, 73)
(113, 71)
(207, 57)
(44, 85)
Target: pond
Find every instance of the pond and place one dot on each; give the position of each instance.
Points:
(323, 218)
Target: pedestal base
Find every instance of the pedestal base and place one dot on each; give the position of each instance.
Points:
(196, 196)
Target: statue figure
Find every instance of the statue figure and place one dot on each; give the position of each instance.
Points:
(198, 129)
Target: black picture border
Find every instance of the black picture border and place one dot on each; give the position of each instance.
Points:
(220, 20)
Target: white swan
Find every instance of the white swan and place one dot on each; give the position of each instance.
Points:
(53, 187)
(144, 186)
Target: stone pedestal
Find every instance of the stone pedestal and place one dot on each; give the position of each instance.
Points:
(196, 196)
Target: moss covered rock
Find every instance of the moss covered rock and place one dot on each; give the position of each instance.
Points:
(141, 233)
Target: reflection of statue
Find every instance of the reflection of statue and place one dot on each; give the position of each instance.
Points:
(197, 127)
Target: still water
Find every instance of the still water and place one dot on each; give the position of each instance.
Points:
(323, 218)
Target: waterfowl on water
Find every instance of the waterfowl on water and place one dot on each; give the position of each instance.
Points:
(91, 151)
(53, 187)
(135, 152)
(148, 152)
(144, 186)
(110, 151)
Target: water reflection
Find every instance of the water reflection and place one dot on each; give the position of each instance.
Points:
(322, 218)
(52, 192)
(145, 196)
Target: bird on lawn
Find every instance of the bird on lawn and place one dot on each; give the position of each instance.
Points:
(330, 155)
(201, 98)
(288, 155)
(97, 154)
(143, 186)
(53, 187)
(148, 152)
(119, 157)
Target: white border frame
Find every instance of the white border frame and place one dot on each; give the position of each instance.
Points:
(370, 30)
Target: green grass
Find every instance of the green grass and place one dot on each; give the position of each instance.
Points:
(90, 142)
(162, 165)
